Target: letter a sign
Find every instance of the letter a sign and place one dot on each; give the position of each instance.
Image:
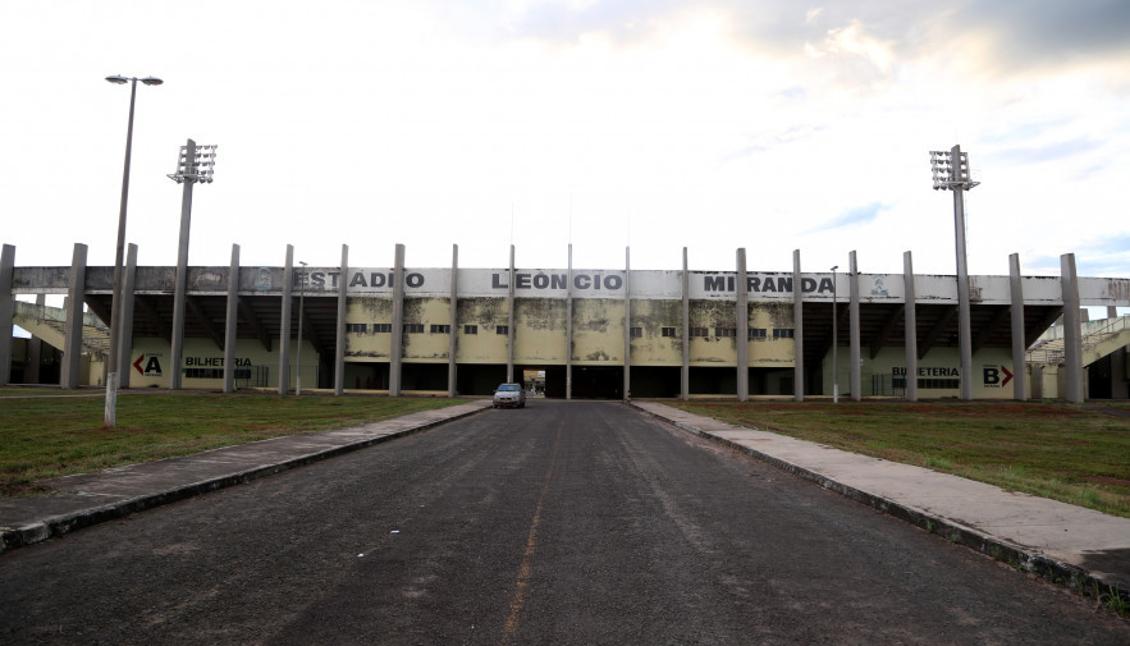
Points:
(147, 365)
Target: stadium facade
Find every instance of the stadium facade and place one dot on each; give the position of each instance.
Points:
(607, 333)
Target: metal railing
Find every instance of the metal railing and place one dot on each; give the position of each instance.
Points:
(1094, 334)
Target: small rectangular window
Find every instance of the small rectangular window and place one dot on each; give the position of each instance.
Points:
(783, 333)
(699, 331)
(725, 331)
(379, 328)
(502, 329)
(757, 333)
(636, 332)
(413, 328)
(356, 328)
(669, 331)
(470, 329)
(440, 329)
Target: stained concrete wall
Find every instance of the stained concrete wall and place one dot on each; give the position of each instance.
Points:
(369, 346)
(771, 351)
(651, 348)
(426, 346)
(598, 332)
(487, 346)
(540, 331)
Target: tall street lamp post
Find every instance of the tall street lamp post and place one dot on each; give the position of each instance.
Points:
(112, 361)
(951, 173)
(835, 341)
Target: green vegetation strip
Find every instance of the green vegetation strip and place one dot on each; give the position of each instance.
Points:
(43, 437)
(1076, 454)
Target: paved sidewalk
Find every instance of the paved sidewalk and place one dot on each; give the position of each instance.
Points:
(82, 500)
(1068, 544)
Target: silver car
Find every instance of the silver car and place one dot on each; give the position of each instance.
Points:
(509, 396)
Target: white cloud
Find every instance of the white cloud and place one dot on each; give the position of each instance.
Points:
(374, 124)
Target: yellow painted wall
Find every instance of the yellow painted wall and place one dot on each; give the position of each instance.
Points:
(487, 346)
(598, 332)
(426, 347)
(368, 346)
(712, 351)
(652, 348)
(771, 352)
(539, 331)
(91, 370)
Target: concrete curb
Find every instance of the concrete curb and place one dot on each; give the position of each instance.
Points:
(1019, 557)
(62, 524)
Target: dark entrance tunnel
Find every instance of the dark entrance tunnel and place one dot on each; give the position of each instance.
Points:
(598, 382)
(655, 381)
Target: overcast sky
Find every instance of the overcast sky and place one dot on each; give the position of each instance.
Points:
(772, 125)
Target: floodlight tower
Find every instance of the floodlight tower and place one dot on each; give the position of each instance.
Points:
(110, 411)
(951, 173)
(195, 165)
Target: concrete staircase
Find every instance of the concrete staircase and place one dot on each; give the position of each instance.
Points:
(49, 324)
(1100, 338)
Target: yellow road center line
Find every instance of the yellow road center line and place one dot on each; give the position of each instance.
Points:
(522, 581)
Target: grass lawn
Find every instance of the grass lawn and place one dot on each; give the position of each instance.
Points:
(42, 437)
(1077, 454)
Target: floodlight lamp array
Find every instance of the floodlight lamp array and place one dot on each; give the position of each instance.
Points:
(949, 176)
(199, 169)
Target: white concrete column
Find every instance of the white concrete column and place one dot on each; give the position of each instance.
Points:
(569, 326)
(284, 322)
(231, 321)
(910, 337)
(685, 371)
(741, 335)
(7, 311)
(396, 339)
(339, 330)
(798, 329)
(627, 323)
(510, 322)
(72, 331)
(453, 339)
(125, 328)
(1072, 331)
(1019, 345)
(853, 313)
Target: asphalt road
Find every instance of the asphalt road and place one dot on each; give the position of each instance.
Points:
(564, 523)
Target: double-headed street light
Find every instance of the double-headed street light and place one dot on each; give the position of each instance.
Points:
(116, 344)
(835, 349)
(951, 173)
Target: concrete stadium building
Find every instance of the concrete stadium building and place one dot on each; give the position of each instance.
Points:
(601, 333)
